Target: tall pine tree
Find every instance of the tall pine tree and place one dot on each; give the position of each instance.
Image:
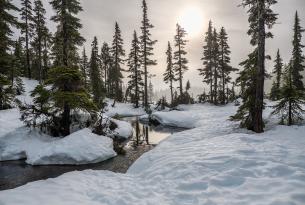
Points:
(117, 52)
(106, 61)
(207, 71)
(27, 30)
(277, 72)
(169, 75)
(147, 49)
(180, 64)
(261, 17)
(40, 31)
(134, 63)
(95, 75)
(7, 21)
(84, 66)
(224, 64)
(298, 60)
(215, 60)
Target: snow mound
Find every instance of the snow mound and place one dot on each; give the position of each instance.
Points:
(123, 110)
(124, 129)
(82, 147)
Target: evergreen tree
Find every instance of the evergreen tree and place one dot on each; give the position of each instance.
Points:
(147, 49)
(66, 81)
(224, 63)
(134, 64)
(84, 66)
(27, 30)
(261, 17)
(67, 36)
(290, 107)
(150, 92)
(106, 61)
(298, 60)
(215, 60)
(95, 75)
(117, 53)
(180, 64)
(169, 75)
(276, 86)
(7, 21)
(207, 71)
(188, 86)
(40, 31)
(16, 68)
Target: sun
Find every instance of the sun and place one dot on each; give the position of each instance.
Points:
(191, 19)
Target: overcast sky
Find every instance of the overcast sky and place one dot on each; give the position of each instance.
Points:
(99, 16)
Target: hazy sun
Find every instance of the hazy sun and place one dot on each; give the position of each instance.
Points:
(191, 19)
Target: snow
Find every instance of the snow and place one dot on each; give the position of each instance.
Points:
(124, 129)
(123, 109)
(19, 142)
(214, 163)
(81, 147)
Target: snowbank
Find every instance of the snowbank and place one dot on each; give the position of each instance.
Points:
(82, 147)
(215, 163)
(124, 129)
(123, 109)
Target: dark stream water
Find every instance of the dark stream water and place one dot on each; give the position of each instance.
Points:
(145, 137)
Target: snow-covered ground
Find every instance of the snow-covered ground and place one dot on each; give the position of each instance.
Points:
(213, 163)
(123, 109)
(81, 147)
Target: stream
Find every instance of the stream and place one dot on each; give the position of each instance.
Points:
(145, 138)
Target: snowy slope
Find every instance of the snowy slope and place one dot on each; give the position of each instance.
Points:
(215, 163)
(123, 109)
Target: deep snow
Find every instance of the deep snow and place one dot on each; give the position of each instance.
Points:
(214, 163)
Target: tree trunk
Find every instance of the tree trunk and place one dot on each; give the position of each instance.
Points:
(27, 45)
(258, 124)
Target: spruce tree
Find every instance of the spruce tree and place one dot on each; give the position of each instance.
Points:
(16, 68)
(95, 75)
(84, 66)
(40, 31)
(180, 65)
(65, 76)
(261, 16)
(7, 21)
(117, 53)
(224, 63)
(27, 29)
(290, 107)
(215, 60)
(277, 72)
(298, 60)
(169, 75)
(134, 63)
(207, 71)
(106, 61)
(147, 49)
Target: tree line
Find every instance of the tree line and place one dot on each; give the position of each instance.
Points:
(69, 82)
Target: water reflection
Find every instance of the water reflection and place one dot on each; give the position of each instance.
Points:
(148, 134)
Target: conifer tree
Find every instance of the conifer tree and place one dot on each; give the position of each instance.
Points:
(117, 53)
(290, 107)
(147, 49)
(188, 86)
(95, 75)
(40, 31)
(16, 68)
(224, 63)
(277, 72)
(27, 30)
(65, 76)
(134, 64)
(106, 61)
(180, 64)
(261, 16)
(298, 60)
(84, 66)
(207, 71)
(7, 21)
(216, 58)
(169, 75)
